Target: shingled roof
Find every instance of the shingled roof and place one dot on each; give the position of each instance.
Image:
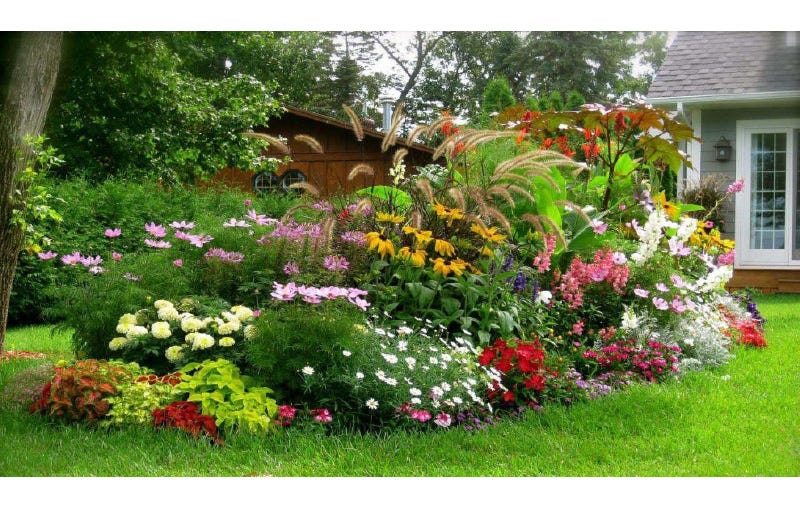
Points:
(727, 63)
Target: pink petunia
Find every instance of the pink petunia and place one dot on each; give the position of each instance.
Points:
(116, 232)
(178, 263)
(116, 256)
(421, 415)
(727, 258)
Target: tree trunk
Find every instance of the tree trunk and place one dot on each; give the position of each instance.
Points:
(30, 88)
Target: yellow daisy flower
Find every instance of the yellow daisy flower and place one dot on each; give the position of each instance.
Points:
(447, 213)
(384, 217)
(488, 234)
(444, 248)
(660, 200)
(447, 267)
(380, 243)
(417, 257)
(422, 236)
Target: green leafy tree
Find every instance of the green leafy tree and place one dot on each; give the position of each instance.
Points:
(143, 112)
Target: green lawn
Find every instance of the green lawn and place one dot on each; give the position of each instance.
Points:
(740, 420)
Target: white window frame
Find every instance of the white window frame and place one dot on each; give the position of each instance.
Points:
(764, 258)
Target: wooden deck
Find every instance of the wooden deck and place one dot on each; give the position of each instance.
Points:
(767, 281)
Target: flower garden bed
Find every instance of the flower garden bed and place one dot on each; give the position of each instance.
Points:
(450, 299)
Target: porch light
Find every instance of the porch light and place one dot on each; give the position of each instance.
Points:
(723, 149)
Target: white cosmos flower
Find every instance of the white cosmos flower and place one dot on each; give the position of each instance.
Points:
(347, 353)
(372, 404)
(415, 392)
(308, 370)
(359, 375)
(390, 358)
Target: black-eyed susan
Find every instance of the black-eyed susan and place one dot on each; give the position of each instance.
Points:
(672, 211)
(447, 213)
(444, 248)
(416, 257)
(422, 236)
(380, 243)
(447, 267)
(488, 234)
(385, 217)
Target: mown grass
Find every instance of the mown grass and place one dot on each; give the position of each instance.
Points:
(739, 420)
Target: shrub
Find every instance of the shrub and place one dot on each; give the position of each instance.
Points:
(135, 403)
(232, 400)
(80, 391)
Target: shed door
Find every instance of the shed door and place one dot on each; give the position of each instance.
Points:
(767, 217)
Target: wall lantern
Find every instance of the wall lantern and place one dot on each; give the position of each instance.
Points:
(723, 149)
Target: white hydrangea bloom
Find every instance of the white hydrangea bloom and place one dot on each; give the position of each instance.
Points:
(227, 341)
(118, 344)
(136, 331)
(250, 332)
(242, 313)
(202, 341)
(174, 354)
(192, 324)
(168, 313)
(160, 330)
(161, 303)
(189, 339)
(230, 327)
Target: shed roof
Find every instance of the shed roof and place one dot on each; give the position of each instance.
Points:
(728, 64)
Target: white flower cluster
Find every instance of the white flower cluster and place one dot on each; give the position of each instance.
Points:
(650, 235)
(198, 333)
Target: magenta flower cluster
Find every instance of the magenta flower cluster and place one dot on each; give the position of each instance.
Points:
(607, 267)
(224, 256)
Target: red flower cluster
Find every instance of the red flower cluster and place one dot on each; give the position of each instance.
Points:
(186, 415)
(286, 414)
(748, 332)
(653, 361)
(522, 368)
(170, 378)
(591, 149)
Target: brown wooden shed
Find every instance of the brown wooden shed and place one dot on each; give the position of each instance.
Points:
(327, 171)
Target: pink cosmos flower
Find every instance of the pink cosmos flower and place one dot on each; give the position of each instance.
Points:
(156, 230)
(116, 232)
(116, 256)
(158, 244)
(641, 292)
(248, 202)
(310, 294)
(183, 225)
(677, 248)
(199, 240)
(619, 258)
(256, 313)
(677, 305)
(177, 263)
(660, 303)
(71, 259)
(736, 186)
(677, 281)
(260, 219)
(598, 226)
(291, 268)
(47, 256)
(661, 287)
(444, 420)
(622, 206)
(284, 292)
(234, 223)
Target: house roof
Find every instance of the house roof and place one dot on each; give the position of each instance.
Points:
(344, 125)
(709, 66)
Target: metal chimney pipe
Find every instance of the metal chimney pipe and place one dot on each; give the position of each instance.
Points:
(387, 103)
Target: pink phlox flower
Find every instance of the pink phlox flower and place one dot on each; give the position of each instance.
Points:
(577, 327)
(421, 415)
(234, 223)
(47, 256)
(158, 244)
(736, 186)
(727, 258)
(444, 420)
(335, 263)
(284, 292)
(660, 303)
(291, 269)
(116, 232)
(256, 313)
(183, 225)
(598, 226)
(641, 292)
(116, 256)
(177, 263)
(321, 415)
(156, 230)
(661, 287)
